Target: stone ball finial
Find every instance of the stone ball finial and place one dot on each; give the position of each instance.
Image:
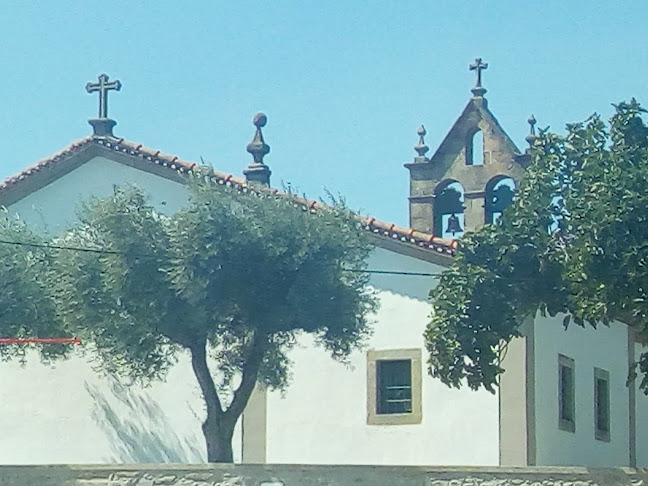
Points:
(530, 138)
(260, 120)
(257, 171)
(420, 147)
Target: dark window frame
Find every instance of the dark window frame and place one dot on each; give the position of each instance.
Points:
(566, 394)
(374, 358)
(602, 405)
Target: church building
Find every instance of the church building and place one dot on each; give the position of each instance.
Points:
(562, 400)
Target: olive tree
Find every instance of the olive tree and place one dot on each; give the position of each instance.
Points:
(236, 275)
(27, 308)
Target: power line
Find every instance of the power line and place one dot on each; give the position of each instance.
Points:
(145, 255)
(393, 272)
(72, 248)
(116, 252)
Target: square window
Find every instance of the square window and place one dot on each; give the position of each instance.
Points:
(566, 394)
(394, 387)
(601, 404)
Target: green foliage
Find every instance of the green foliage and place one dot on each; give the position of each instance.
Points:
(26, 307)
(574, 241)
(242, 273)
(238, 274)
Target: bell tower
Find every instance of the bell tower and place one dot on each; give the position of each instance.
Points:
(471, 177)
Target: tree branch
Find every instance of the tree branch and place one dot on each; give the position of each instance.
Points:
(248, 378)
(205, 380)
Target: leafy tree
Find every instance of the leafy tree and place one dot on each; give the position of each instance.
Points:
(27, 309)
(235, 275)
(574, 241)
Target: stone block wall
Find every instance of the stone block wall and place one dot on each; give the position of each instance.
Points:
(294, 475)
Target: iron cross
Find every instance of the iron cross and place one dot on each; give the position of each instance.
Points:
(478, 66)
(103, 86)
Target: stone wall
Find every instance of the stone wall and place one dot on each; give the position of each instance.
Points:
(248, 475)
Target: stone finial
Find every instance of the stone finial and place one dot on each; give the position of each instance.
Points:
(103, 125)
(478, 66)
(420, 147)
(530, 138)
(257, 171)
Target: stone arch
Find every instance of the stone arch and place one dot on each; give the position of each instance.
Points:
(448, 205)
(475, 148)
(499, 194)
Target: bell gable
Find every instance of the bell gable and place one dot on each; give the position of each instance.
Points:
(475, 159)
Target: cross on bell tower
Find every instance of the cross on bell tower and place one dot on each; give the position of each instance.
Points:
(478, 66)
(103, 125)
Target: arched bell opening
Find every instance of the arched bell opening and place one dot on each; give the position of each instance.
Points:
(500, 192)
(475, 148)
(449, 221)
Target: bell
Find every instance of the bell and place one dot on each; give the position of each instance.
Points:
(454, 226)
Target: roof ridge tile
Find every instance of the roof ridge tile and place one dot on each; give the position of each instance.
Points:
(156, 157)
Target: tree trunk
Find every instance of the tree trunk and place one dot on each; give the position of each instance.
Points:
(218, 427)
(219, 442)
(217, 431)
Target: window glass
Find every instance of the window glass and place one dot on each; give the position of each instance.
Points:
(566, 394)
(394, 382)
(601, 404)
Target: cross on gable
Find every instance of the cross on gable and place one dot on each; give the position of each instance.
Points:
(103, 86)
(478, 66)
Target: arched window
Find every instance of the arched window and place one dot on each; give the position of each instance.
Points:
(449, 210)
(475, 149)
(500, 192)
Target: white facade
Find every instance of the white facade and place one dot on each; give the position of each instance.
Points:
(94, 419)
(604, 348)
(54, 207)
(322, 419)
(67, 413)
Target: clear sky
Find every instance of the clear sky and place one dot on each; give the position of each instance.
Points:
(345, 83)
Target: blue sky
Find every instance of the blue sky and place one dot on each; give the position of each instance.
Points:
(345, 83)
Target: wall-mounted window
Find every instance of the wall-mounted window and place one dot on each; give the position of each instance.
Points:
(394, 387)
(475, 149)
(500, 192)
(566, 394)
(449, 219)
(601, 404)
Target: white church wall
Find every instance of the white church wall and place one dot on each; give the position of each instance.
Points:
(603, 348)
(641, 417)
(323, 416)
(54, 207)
(67, 413)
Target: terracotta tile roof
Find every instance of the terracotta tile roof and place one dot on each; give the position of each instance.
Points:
(381, 229)
(45, 163)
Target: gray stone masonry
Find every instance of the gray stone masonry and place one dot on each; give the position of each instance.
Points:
(295, 475)
(449, 163)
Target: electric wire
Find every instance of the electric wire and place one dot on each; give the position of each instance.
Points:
(144, 255)
(105, 251)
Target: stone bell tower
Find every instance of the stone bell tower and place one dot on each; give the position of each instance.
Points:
(472, 175)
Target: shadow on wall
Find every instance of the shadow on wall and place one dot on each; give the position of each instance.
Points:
(138, 429)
